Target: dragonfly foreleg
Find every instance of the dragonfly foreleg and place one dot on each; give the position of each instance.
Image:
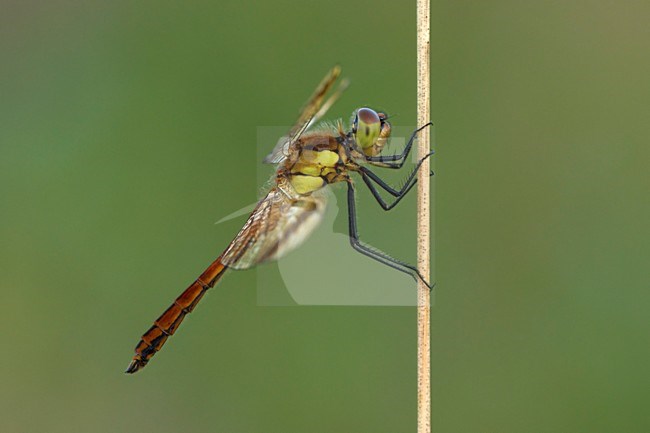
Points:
(404, 189)
(370, 252)
(383, 161)
(369, 176)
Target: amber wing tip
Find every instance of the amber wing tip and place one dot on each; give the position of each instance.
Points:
(134, 366)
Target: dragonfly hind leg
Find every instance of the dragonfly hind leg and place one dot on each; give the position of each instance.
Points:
(370, 252)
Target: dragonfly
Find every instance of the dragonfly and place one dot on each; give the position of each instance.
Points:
(308, 159)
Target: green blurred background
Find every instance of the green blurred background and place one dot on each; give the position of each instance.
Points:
(128, 128)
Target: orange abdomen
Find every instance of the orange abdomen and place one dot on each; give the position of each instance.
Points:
(153, 340)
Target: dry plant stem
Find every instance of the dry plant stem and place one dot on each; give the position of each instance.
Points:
(424, 295)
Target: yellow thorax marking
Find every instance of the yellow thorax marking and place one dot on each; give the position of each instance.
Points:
(315, 163)
(306, 184)
(324, 158)
(308, 169)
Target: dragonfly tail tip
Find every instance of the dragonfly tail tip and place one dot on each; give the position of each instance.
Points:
(134, 366)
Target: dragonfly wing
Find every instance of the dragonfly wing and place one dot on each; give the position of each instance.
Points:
(313, 110)
(279, 152)
(279, 223)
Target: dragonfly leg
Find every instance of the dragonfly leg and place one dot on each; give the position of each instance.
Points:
(384, 161)
(385, 205)
(369, 251)
(367, 175)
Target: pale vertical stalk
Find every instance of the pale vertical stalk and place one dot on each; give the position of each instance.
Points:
(424, 295)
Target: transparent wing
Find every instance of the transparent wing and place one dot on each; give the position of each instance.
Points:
(278, 224)
(312, 111)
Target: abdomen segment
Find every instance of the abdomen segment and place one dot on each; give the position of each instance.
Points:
(153, 340)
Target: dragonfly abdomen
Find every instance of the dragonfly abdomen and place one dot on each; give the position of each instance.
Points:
(153, 340)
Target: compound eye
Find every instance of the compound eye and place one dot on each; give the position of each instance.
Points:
(367, 126)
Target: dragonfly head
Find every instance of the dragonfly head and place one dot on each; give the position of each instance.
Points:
(370, 130)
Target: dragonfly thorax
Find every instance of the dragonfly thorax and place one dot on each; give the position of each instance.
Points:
(317, 163)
